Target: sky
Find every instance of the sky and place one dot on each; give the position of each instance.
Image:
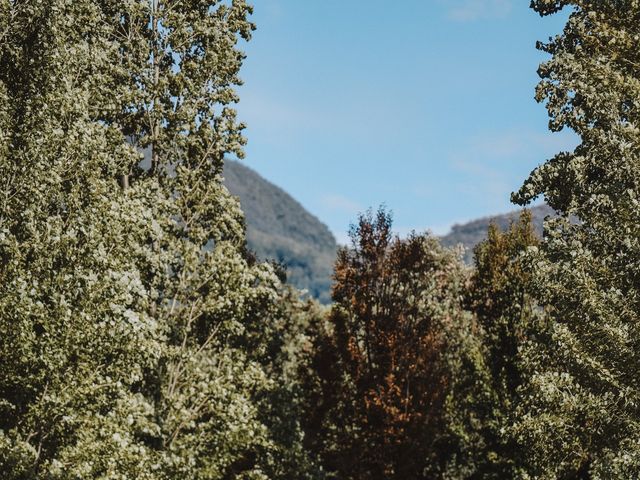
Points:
(425, 106)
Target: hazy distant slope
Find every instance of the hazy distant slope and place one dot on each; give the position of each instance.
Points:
(279, 228)
(472, 233)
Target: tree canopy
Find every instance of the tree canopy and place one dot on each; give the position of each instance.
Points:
(139, 338)
(582, 417)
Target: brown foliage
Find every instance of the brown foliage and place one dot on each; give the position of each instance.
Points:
(382, 369)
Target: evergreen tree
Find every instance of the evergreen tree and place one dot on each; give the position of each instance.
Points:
(582, 418)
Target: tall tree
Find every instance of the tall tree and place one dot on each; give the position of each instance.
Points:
(399, 367)
(180, 63)
(76, 336)
(582, 418)
(500, 298)
(144, 342)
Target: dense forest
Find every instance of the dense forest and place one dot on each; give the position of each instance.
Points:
(140, 338)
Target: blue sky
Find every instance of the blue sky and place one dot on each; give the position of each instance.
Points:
(423, 105)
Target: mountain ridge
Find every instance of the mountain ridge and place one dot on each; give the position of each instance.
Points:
(279, 228)
(470, 233)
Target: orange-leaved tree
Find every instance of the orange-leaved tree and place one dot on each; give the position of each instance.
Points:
(399, 365)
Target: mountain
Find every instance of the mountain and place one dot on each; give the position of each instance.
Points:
(471, 233)
(279, 228)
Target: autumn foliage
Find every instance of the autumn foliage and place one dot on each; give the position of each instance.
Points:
(397, 327)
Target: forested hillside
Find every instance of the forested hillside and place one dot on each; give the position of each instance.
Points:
(279, 228)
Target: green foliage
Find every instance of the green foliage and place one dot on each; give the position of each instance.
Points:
(581, 417)
(76, 336)
(137, 339)
(499, 296)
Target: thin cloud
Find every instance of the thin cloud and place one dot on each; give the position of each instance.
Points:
(472, 10)
(487, 165)
(517, 143)
(341, 203)
(274, 114)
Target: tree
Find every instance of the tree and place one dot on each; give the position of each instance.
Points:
(500, 298)
(180, 65)
(582, 416)
(396, 369)
(144, 341)
(76, 336)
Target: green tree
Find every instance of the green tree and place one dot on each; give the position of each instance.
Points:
(499, 296)
(143, 341)
(582, 418)
(76, 336)
(398, 367)
(180, 64)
